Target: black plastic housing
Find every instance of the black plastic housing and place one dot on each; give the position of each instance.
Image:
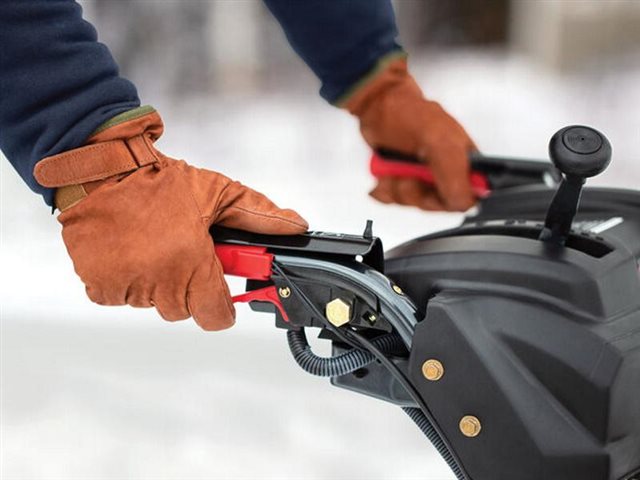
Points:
(540, 342)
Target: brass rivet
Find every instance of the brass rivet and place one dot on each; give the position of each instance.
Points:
(284, 292)
(338, 312)
(470, 426)
(432, 370)
(397, 289)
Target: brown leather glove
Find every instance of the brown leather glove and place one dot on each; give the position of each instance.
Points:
(136, 223)
(394, 115)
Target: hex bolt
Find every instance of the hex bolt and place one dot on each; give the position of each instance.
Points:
(338, 312)
(433, 370)
(284, 292)
(470, 426)
(397, 289)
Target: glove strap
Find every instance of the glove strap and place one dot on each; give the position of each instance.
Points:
(67, 197)
(95, 162)
(125, 146)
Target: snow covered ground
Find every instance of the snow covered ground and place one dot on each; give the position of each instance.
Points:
(108, 393)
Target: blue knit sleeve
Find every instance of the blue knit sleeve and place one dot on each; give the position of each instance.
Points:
(57, 83)
(340, 40)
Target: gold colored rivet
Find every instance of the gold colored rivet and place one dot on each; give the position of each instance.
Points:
(432, 370)
(284, 292)
(397, 289)
(470, 426)
(338, 312)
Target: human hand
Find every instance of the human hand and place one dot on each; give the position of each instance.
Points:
(394, 115)
(136, 223)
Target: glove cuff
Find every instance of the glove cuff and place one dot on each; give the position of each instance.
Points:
(121, 145)
(128, 124)
(388, 70)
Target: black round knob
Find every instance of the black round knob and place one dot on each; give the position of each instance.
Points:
(580, 151)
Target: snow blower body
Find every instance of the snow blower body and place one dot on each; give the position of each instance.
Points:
(513, 340)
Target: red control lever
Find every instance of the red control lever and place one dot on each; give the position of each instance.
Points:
(253, 263)
(386, 167)
(247, 261)
(267, 294)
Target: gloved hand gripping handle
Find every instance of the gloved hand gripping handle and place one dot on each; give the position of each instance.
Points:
(488, 173)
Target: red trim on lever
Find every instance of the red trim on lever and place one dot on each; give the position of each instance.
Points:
(267, 294)
(251, 262)
(381, 167)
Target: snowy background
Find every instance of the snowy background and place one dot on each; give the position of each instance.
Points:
(89, 392)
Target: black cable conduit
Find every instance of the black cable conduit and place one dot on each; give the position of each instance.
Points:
(342, 364)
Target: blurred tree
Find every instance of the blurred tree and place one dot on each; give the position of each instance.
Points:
(458, 23)
(139, 33)
(179, 47)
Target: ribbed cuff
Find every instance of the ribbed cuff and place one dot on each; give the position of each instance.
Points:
(124, 117)
(379, 67)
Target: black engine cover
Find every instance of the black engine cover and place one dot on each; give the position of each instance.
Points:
(541, 343)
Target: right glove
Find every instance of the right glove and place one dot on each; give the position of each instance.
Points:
(394, 115)
(136, 223)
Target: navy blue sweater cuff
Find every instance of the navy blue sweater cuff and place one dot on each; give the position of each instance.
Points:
(57, 83)
(340, 40)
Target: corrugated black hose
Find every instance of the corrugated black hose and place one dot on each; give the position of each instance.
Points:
(339, 365)
(424, 424)
(368, 347)
(355, 359)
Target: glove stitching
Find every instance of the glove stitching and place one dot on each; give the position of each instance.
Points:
(217, 267)
(218, 272)
(188, 291)
(207, 219)
(190, 193)
(276, 217)
(87, 148)
(97, 176)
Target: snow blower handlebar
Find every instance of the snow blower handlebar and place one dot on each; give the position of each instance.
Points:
(488, 173)
(341, 275)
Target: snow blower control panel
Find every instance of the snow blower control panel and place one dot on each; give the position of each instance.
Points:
(264, 260)
(515, 330)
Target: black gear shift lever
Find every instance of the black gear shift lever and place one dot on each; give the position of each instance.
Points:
(578, 152)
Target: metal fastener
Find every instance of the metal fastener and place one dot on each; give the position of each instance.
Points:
(338, 312)
(284, 292)
(470, 426)
(397, 289)
(432, 370)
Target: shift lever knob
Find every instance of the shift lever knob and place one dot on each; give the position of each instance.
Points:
(579, 153)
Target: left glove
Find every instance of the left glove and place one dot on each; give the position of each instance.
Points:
(394, 115)
(136, 223)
